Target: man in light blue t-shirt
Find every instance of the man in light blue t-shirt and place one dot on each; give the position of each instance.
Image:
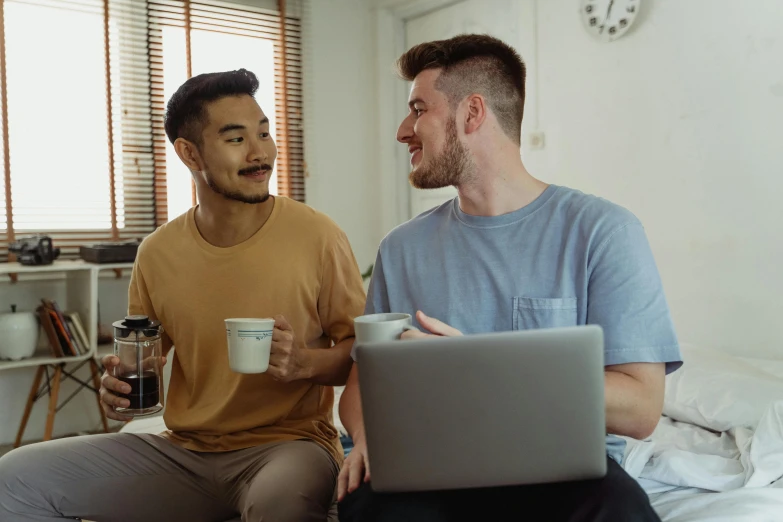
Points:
(511, 253)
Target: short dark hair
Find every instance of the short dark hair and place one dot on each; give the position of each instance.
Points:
(474, 64)
(185, 112)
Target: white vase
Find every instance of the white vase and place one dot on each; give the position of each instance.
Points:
(18, 335)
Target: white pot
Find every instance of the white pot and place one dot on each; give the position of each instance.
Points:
(18, 335)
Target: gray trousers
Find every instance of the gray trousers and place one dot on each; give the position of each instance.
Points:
(128, 477)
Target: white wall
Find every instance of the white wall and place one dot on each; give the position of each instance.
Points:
(340, 119)
(682, 122)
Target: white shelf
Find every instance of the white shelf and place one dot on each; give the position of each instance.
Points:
(37, 360)
(59, 266)
(109, 266)
(81, 281)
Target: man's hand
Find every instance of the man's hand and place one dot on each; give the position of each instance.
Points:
(287, 362)
(435, 327)
(110, 386)
(356, 469)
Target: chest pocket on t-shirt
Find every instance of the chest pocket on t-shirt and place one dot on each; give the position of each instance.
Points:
(543, 312)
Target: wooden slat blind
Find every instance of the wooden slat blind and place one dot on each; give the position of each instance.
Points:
(131, 102)
(134, 154)
(6, 216)
(255, 22)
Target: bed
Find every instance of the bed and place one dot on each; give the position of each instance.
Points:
(717, 452)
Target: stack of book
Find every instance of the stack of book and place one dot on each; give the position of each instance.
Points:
(65, 330)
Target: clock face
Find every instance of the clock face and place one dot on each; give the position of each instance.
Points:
(608, 20)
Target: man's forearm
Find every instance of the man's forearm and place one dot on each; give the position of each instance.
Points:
(633, 407)
(351, 407)
(330, 367)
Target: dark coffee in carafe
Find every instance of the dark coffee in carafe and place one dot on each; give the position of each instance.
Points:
(144, 390)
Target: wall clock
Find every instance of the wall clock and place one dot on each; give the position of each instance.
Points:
(608, 20)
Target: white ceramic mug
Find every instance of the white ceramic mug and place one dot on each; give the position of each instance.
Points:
(381, 327)
(249, 344)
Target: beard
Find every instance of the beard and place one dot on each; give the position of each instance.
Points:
(449, 168)
(236, 195)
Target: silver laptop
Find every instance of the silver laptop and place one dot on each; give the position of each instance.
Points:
(484, 410)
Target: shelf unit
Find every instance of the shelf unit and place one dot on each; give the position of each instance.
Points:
(81, 291)
(81, 283)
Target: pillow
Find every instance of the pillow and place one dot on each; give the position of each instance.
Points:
(719, 392)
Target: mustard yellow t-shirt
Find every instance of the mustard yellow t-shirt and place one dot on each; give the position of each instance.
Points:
(300, 265)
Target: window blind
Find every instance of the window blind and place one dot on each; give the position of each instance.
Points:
(84, 153)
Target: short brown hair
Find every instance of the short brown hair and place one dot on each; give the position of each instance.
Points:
(474, 64)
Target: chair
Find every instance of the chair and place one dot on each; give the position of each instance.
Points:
(55, 370)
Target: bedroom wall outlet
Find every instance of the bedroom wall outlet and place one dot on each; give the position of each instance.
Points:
(536, 140)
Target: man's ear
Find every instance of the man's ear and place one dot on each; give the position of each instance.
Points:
(476, 112)
(189, 154)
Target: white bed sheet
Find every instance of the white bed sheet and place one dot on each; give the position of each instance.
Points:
(739, 505)
(679, 454)
(696, 474)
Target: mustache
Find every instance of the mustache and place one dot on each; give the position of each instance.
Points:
(254, 169)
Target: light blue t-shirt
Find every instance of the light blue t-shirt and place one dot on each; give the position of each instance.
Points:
(565, 259)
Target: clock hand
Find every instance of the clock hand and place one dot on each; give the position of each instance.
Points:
(608, 12)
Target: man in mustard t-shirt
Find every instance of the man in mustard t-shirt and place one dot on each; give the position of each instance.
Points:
(262, 446)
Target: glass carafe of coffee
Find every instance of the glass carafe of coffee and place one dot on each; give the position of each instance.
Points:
(138, 346)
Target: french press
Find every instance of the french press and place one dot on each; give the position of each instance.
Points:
(137, 344)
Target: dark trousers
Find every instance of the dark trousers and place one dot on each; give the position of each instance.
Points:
(615, 498)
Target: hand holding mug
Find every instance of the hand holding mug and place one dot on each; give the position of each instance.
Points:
(287, 361)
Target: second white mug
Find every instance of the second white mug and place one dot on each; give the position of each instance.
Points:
(381, 327)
